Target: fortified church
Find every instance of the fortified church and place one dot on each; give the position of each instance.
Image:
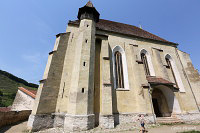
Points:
(104, 73)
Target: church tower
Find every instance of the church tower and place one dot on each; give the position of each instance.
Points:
(66, 92)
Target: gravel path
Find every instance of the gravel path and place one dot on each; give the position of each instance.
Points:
(126, 128)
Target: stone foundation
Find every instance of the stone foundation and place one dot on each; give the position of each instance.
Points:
(59, 120)
(106, 121)
(39, 122)
(86, 122)
(132, 118)
(79, 122)
(189, 117)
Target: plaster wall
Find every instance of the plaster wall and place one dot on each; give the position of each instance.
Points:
(136, 98)
(191, 74)
(22, 102)
(126, 100)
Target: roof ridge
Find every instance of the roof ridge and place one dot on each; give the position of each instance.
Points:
(135, 27)
(126, 29)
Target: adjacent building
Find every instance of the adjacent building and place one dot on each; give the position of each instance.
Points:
(24, 99)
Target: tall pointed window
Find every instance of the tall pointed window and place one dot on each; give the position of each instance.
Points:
(147, 63)
(119, 70)
(170, 67)
(146, 66)
(171, 64)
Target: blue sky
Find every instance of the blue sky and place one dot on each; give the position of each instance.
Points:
(28, 27)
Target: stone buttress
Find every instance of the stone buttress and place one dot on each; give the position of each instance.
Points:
(45, 102)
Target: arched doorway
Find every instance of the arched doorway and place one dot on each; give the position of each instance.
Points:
(160, 104)
(164, 101)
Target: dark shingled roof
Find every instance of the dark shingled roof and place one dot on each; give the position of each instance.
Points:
(125, 29)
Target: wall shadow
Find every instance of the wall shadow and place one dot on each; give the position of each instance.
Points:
(114, 95)
(6, 128)
(97, 80)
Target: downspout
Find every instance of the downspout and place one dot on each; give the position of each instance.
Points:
(150, 98)
(187, 79)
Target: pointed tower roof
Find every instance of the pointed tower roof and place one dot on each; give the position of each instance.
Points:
(88, 12)
(89, 4)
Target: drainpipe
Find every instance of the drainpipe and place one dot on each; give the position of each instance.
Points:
(149, 89)
(187, 79)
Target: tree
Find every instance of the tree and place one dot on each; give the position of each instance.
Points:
(1, 95)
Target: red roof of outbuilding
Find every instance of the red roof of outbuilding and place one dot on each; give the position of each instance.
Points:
(31, 93)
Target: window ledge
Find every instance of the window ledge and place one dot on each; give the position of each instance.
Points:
(122, 89)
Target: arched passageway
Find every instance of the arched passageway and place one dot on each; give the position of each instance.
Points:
(164, 101)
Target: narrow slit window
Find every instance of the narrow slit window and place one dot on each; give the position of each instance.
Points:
(83, 90)
(84, 63)
(119, 70)
(145, 63)
(63, 90)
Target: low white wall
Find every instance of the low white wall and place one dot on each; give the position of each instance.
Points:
(22, 102)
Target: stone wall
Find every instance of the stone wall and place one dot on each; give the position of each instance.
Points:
(11, 117)
(189, 117)
(132, 118)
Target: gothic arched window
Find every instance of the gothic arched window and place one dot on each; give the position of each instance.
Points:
(119, 70)
(169, 64)
(145, 63)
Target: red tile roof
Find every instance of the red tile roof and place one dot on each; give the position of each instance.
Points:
(158, 80)
(31, 93)
(125, 29)
(5, 109)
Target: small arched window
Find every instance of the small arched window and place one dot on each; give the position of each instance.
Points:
(145, 63)
(119, 70)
